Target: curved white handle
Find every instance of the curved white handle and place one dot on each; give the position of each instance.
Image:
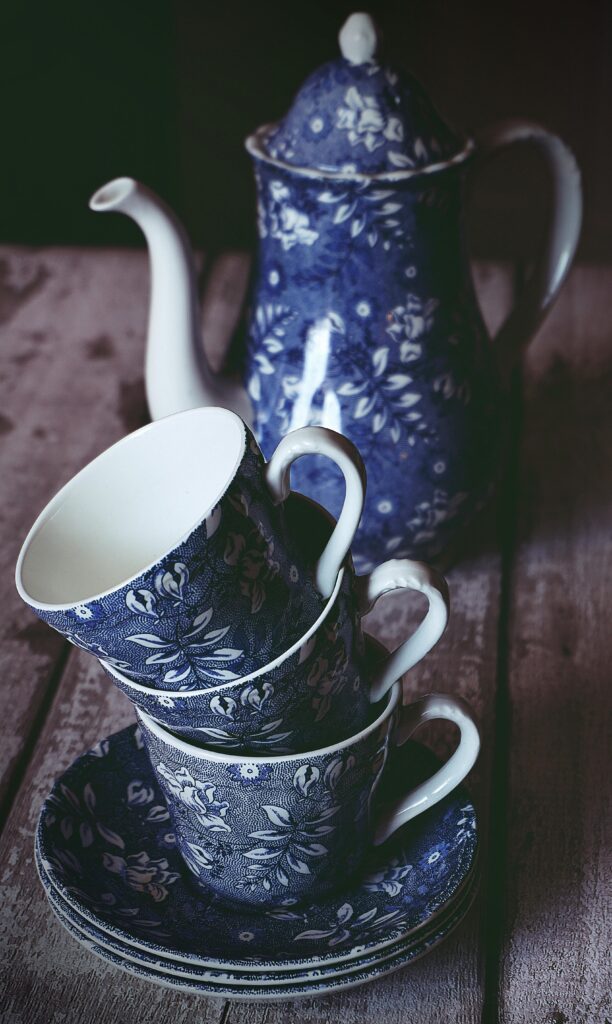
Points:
(322, 441)
(562, 236)
(428, 793)
(404, 574)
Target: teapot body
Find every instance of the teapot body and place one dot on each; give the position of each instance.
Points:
(364, 319)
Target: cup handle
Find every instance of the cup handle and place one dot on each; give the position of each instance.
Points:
(452, 772)
(405, 574)
(337, 447)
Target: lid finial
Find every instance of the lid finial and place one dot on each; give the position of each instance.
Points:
(358, 38)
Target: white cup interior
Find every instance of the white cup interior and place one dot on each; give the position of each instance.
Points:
(130, 507)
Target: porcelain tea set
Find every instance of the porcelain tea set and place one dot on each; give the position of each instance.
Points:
(268, 829)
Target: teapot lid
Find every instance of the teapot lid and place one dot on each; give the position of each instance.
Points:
(354, 116)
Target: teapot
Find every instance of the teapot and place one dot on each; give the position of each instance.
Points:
(363, 314)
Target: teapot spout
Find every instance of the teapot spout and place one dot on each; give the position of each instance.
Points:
(177, 374)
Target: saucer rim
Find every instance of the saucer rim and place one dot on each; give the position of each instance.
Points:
(271, 993)
(465, 896)
(217, 963)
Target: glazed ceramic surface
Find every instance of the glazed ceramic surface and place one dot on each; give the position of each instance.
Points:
(438, 921)
(198, 578)
(263, 829)
(262, 989)
(108, 848)
(83, 930)
(319, 692)
(364, 314)
(315, 695)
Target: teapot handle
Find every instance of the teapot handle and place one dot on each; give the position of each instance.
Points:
(555, 258)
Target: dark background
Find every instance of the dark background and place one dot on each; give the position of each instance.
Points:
(166, 91)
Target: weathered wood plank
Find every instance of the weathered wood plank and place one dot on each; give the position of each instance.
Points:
(556, 955)
(222, 304)
(44, 973)
(71, 356)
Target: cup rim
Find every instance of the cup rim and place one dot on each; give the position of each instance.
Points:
(64, 493)
(207, 755)
(185, 694)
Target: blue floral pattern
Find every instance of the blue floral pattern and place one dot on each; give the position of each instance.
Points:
(372, 324)
(317, 696)
(263, 985)
(397, 883)
(224, 603)
(361, 118)
(297, 830)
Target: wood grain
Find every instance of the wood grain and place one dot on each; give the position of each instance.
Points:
(556, 964)
(71, 355)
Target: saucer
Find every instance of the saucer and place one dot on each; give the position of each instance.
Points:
(261, 988)
(67, 916)
(107, 848)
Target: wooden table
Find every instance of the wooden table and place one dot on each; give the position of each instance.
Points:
(529, 644)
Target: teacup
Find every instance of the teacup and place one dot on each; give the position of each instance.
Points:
(317, 692)
(169, 557)
(275, 831)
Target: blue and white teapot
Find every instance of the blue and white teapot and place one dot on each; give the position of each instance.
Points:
(363, 312)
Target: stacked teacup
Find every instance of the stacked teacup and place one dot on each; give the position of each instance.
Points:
(228, 610)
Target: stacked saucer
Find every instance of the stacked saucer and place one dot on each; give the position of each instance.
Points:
(108, 861)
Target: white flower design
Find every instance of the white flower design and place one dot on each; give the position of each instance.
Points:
(286, 223)
(198, 796)
(409, 323)
(371, 214)
(364, 122)
(268, 330)
(255, 695)
(197, 651)
(142, 874)
(142, 602)
(346, 924)
(390, 880)
(289, 846)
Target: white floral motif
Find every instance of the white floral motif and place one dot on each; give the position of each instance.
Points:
(195, 651)
(288, 225)
(255, 695)
(142, 874)
(83, 612)
(266, 738)
(371, 213)
(345, 924)
(390, 880)
(142, 602)
(198, 796)
(269, 328)
(364, 122)
(385, 399)
(409, 323)
(289, 846)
